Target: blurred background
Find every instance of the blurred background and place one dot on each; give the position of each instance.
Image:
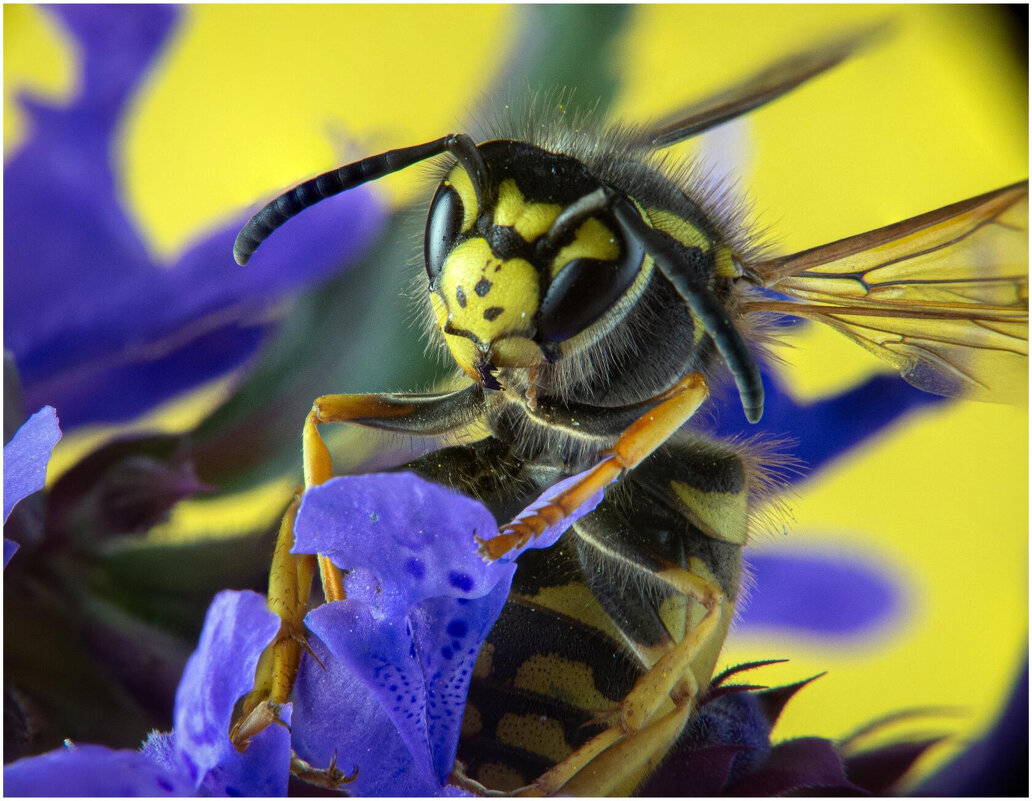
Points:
(138, 139)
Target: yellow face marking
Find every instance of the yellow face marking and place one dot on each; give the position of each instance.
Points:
(458, 179)
(542, 736)
(530, 220)
(593, 240)
(721, 515)
(680, 229)
(462, 349)
(488, 296)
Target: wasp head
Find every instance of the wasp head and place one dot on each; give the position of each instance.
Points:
(519, 267)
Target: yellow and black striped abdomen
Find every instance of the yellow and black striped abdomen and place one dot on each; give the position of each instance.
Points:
(549, 678)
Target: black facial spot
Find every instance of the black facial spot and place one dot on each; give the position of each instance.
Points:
(460, 296)
(492, 312)
(483, 287)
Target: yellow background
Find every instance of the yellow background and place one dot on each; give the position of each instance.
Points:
(249, 99)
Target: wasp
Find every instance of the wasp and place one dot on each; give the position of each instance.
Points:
(590, 293)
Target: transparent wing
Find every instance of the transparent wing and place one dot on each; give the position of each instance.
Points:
(943, 297)
(755, 91)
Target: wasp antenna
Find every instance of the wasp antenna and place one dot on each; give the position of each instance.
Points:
(576, 213)
(690, 285)
(331, 183)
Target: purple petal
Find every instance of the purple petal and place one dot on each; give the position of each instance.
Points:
(414, 622)
(693, 772)
(325, 696)
(93, 770)
(415, 536)
(161, 748)
(825, 595)
(124, 381)
(728, 738)
(881, 768)
(236, 630)
(26, 457)
(449, 633)
(64, 208)
(774, 700)
(451, 791)
(97, 328)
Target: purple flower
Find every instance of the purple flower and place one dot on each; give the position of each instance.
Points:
(197, 758)
(92, 770)
(96, 326)
(25, 463)
(396, 658)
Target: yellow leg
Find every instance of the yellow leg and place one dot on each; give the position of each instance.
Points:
(672, 674)
(634, 755)
(642, 437)
(290, 582)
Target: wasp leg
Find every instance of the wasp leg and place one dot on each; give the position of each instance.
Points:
(329, 778)
(290, 577)
(290, 582)
(641, 438)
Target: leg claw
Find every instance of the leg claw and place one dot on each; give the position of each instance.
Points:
(329, 778)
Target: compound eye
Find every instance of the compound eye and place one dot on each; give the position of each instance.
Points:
(585, 289)
(442, 227)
